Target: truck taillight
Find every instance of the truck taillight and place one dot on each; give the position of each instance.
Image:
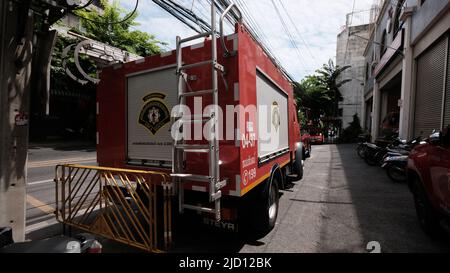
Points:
(228, 214)
(96, 247)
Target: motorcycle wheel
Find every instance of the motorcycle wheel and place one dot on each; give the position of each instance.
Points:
(370, 159)
(395, 175)
(361, 151)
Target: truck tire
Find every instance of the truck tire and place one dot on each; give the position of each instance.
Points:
(267, 208)
(298, 163)
(427, 216)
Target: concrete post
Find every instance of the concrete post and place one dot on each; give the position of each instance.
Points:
(15, 77)
(406, 109)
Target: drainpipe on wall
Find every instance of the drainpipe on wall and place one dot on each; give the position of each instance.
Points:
(375, 92)
(405, 103)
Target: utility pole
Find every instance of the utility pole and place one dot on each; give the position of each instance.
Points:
(25, 49)
(15, 78)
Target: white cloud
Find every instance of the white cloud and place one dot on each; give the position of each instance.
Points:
(318, 23)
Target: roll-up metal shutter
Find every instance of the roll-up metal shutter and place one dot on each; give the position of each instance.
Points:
(447, 91)
(430, 87)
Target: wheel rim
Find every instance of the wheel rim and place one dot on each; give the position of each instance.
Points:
(272, 204)
(396, 175)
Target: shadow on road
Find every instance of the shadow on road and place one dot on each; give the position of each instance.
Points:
(384, 210)
(60, 145)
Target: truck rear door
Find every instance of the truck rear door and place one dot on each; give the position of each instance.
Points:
(151, 95)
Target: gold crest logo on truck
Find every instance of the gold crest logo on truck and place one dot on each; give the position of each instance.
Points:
(154, 114)
(276, 115)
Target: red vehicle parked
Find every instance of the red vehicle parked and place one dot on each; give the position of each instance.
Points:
(429, 181)
(316, 136)
(306, 141)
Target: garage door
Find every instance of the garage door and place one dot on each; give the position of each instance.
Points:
(431, 68)
(447, 94)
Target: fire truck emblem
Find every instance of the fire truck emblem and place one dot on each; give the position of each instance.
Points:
(154, 114)
(275, 115)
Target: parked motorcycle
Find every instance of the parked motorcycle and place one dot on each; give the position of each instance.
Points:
(395, 163)
(361, 148)
(374, 154)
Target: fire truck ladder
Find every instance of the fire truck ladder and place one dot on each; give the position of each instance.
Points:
(180, 148)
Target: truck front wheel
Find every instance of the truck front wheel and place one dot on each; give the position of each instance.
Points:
(298, 164)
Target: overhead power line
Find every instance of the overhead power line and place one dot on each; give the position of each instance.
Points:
(287, 31)
(298, 33)
(188, 17)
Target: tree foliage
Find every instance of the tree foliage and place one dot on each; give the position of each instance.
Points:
(318, 95)
(105, 28)
(330, 76)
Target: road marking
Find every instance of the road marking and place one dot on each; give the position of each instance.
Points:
(40, 225)
(52, 163)
(40, 205)
(40, 182)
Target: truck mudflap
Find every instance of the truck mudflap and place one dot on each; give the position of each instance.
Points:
(119, 204)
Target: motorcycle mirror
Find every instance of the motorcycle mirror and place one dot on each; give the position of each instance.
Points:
(435, 138)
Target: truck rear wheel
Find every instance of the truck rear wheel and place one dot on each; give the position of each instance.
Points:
(267, 208)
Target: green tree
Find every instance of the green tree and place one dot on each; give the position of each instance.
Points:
(111, 28)
(313, 98)
(330, 76)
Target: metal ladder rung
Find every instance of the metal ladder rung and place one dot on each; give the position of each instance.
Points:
(193, 148)
(193, 177)
(215, 196)
(201, 35)
(189, 66)
(217, 66)
(197, 208)
(197, 93)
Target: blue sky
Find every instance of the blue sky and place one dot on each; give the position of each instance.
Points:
(317, 23)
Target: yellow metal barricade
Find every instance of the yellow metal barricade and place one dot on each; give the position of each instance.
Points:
(118, 204)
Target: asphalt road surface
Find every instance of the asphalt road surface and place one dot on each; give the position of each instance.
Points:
(42, 159)
(341, 205)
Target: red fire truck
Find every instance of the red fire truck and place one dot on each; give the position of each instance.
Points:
(219, 116)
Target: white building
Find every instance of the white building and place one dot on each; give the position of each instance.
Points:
(351, 43)
(408, 68)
